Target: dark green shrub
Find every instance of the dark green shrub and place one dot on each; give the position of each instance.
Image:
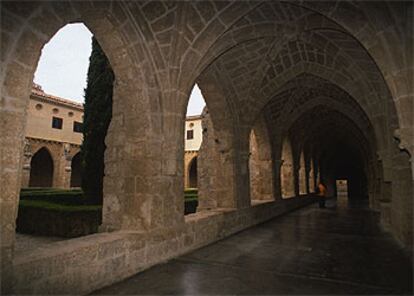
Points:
(97, 116)
(51, 219)
(59, 196)
(190, 206)
(190, 191)
(48, 205)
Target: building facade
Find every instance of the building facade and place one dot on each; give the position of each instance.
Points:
(53, 139)
(193, 138)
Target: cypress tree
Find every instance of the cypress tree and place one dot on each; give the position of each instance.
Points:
(97, 116)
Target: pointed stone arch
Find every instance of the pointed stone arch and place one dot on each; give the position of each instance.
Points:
(41, 169)
(76, 171)
(192, 173)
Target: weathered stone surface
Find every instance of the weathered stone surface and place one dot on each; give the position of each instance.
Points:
(335, 86)
(81, 265)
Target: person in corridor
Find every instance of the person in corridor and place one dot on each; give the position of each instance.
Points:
(322, 195)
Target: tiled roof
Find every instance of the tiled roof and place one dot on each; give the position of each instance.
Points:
(193, 117)
(39, 93)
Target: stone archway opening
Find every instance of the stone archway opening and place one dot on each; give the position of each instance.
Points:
(192, 173)
(342, 148)
(55, 120)
(41, 169)
(193, 138)
(344, 162)
(76, 171)
(261, 164)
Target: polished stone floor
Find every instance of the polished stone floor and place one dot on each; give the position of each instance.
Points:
(337, 250)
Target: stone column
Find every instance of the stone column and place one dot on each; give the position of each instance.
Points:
(261, 175)
(66, 165)
(243, 179)
(302, 180)
(311, 180)
(277, 188)
(27, 158)
(217, 177)
(11, 149)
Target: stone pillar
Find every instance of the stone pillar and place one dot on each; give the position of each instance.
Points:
(66, 165)
(311, 179)
(277, 188)
(260, 170)
(143, 186)
(302, 180)
(27, 158)
(242, 176)
(217, 177)
(11, 151)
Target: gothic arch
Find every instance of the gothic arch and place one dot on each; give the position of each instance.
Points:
(41, 169)
(76, 174)
(132, 109)
(192, 173)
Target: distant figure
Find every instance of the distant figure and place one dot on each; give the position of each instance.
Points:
(321, 194)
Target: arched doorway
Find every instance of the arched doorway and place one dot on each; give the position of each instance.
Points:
(76, 177)
(41, 169)
(192, 173)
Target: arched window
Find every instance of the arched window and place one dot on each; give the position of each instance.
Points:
(193, 138)
(286, 171)
(192, 173)
(41, 169)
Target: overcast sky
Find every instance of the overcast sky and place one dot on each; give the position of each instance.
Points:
(64, 62)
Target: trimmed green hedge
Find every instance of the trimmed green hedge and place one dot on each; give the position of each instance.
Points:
(51, 219)
(66, 212)
(57, 212)
(190, 200)
(190, 194)
(57, 207)
(190, 191)
(59, 196)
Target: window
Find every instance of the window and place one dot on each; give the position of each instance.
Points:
(39, 106)
(77, 127)
(55, 110)
(70, 114)
(57, 122)
(190, 134)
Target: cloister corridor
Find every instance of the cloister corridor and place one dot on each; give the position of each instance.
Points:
(299, 95)
(337, 250)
